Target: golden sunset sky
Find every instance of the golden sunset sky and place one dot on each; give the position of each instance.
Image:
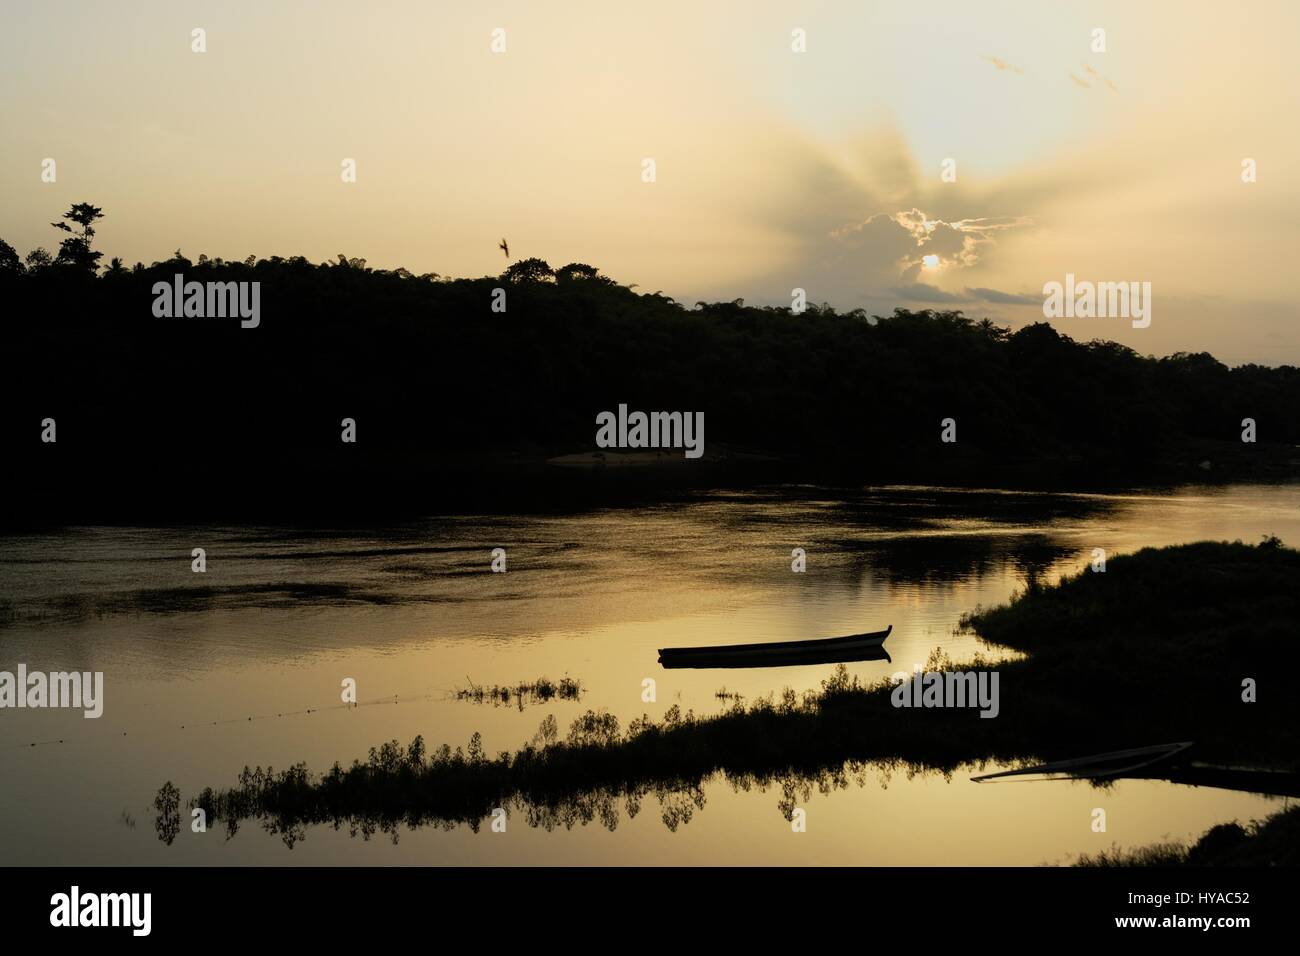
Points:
(775, 169)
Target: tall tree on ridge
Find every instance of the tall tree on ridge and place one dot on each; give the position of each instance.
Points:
(75, 251)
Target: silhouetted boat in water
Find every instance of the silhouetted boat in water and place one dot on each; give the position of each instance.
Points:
(854, 647)
(1113, 763)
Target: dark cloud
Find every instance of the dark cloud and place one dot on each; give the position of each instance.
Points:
(1003, 298)
(920, 292)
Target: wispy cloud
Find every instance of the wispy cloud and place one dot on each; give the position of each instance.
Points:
(1096, 76)
(1003, 65)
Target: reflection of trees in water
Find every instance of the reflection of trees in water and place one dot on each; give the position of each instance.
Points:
(906, 536)
(941, 559)
(595, 775)
(678, 804)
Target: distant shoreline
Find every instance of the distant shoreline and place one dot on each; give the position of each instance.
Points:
(302, 490)
(373, 394)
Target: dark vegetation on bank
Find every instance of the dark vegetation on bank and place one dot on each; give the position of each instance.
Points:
(1271, 842)
(454, 401)
(1153, 650)
(1162, 641)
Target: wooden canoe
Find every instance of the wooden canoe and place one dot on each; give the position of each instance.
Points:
(1098, 766)
(854, 647)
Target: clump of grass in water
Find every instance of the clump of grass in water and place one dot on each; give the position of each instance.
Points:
(520, 695)
(167, 822)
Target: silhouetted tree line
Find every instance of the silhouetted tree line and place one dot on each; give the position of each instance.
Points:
(438, 383)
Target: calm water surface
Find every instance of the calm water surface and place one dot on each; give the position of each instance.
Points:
(412, 613)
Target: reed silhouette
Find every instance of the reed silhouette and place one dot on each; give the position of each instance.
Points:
(167, 805)
(523, 694)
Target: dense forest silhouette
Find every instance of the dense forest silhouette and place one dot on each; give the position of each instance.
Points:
(451, 398)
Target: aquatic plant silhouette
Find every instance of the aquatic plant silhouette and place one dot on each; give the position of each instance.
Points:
(522, 694)
(168, 819)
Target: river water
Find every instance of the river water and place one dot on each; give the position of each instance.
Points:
(208, 672)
